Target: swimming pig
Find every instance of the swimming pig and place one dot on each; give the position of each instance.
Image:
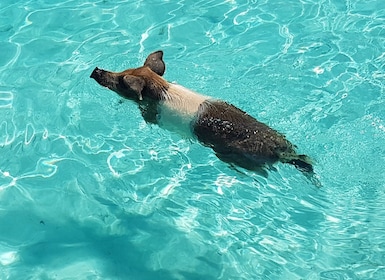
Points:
(236, 137)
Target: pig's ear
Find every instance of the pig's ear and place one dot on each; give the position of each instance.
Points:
(134, 83)
(155, 62)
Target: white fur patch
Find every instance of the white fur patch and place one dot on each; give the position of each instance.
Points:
(179, 108)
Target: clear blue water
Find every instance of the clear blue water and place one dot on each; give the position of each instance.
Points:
(88, 190)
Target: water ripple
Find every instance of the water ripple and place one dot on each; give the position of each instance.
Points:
(83, 177)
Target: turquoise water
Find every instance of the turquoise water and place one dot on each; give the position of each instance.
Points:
(88, 190)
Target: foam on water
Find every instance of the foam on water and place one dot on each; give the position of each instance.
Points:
(88, 190)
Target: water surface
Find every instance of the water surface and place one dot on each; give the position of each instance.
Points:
(88, 190)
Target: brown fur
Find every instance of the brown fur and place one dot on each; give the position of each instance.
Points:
(133, 83)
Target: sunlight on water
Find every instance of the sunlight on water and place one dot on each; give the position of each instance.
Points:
(88, 190)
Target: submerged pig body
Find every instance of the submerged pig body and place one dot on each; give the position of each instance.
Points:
(235, 136)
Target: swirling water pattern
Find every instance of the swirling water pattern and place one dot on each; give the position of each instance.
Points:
(88, 190)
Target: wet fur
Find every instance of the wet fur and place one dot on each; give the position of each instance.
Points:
(235, 136)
